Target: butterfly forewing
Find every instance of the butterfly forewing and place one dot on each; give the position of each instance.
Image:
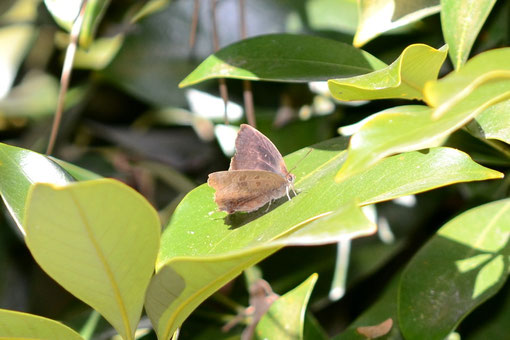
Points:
(246, 190)
(254, 151)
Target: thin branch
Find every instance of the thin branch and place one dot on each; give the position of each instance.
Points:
(247, 92)
(216, 46)
(194, 24)
(66, 76)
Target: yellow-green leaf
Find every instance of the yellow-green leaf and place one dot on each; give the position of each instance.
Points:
(99, 240)
(17, 325)
(399, 129)
(404, 78)
(379, 16)
(286, 316)
(461, 21)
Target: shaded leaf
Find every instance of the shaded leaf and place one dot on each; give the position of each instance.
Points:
(461, 22)
(379, 16)
(404, 78)
(383, 308)
(19, 169)
(458, 269)
(99, 240)
(219, 247)
(17, 325)
(284, 57)
(286, 316)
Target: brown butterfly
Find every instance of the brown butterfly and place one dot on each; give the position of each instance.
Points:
(257, 174)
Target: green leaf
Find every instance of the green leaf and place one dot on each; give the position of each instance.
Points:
(93, 14)
(398, 129)
(404, 78)
(99, 240)
(19, 169)
(493, 123)
(77, 172)
(17, 325)
(379, 16)
(286, 316)
(284, 57)
(461, 22)
(325, 15)
(458, 269)
(483, 81)
(203, 249)
(65, 13)
(15, 41)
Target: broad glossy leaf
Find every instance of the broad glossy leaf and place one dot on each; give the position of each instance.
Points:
(19, 169)
(99, 240)
(399, 129)
(17, 325)
(285, 57)
(493, 123)
(404, 78)
(483, 81)
(379, 16)
(461, 22)
(286, 316)
(203, 249)
(463, 265)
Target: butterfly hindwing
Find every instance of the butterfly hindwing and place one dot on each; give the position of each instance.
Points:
(246, 190)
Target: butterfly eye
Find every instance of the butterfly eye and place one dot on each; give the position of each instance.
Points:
(291, 177)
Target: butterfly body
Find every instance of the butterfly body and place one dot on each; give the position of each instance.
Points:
(257, 174)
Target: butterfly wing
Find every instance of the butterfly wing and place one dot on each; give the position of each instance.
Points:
(254, 151)
(246, 190)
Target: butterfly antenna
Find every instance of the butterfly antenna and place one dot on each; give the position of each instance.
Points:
(297, 163)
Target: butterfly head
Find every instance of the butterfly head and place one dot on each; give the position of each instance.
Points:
(290, 177)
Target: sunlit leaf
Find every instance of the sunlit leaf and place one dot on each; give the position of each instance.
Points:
(17, 325)
(19, 169)
(483, 81)
(99, 240)
(286, 316)
(461, 22)
(404, 78)
(379, 16)
(399, 129)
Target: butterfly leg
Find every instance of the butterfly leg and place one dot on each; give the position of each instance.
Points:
(268, 206)
(288, 192)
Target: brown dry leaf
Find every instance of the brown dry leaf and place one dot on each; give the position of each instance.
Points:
(376, 331)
